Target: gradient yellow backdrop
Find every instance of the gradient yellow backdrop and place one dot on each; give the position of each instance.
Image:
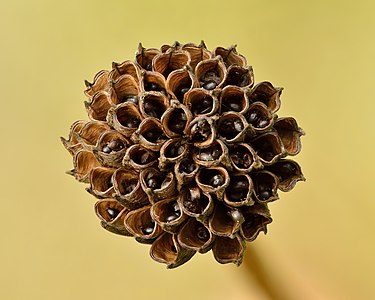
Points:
(321, 244)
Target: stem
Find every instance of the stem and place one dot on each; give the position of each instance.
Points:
(254, 265)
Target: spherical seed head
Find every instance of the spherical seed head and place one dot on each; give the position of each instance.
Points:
(184, 152)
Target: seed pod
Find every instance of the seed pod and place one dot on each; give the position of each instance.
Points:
(233, 98)
(140, 224)
(197, 53)
(139, 157)
(225, 221)
(169, 61)
(196, 203)
(227, 250)
(213, 180)
(171, 152)
(125, 118)
(168, 214)
(89, 134)
(100, 83)
(167, 250)
(201, 102)
(259, 117)
(232, 127)
(157, 185)
(153, 82)
(268, 147)
(201, 132)
(288, 172)
(129, 191)
(230, 56)
(195, 236)
(184, 151)
(72, 144)
(210, 73)
(124, 89)
(112, 215)
(185, 171)
(256, 217)
(240, 76)
(243, 158)
(239, 191)
(176, 119)
(150, 134)
(110, 148)
(265, 186)
(266, 93)
(145, 56)
(84, 161)
(153, 104)
(290, 134)
(99, 105)
(101, 182)
(125, 68)
(179, 82)
(215, 154)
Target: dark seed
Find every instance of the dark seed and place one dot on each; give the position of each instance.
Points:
(253, 116)
(209, 85)
(173, 216)
(153, 109)
(148, 228)
(152, 183)
(112, 213)
(116, 145)
(153, 135)
(264, 195)
(203, 234)
(131, 122)
(262, 123)
(202, 106)
(146, 158)
(129, 186)
(148, 67)
(187, 167)
(173, 248)
(129, 98)
(216, 180)
(235, 215)
(106, 149)
(151, 86)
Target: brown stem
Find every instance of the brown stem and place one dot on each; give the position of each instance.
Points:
(262, 275)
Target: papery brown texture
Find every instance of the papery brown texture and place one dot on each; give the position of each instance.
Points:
(184, 151)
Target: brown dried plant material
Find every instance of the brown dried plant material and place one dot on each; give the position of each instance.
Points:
(184, 151)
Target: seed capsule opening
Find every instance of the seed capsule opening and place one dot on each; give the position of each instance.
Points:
(179, 83)
(145, 56)
(265, 185)
(239, 76)
(259, 116)
(242, 157)
(231, 126)
(268, 147)
(266, 93)
(167, 62)
(210, 73)
(201, 102)
(153, 104)
(233, 98)
(125, 90)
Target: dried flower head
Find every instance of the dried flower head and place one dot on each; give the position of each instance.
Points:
(184, 152)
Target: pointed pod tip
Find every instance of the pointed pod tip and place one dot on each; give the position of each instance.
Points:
(88, 84)
(70, 172)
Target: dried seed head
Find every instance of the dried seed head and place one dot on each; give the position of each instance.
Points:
(184, 152)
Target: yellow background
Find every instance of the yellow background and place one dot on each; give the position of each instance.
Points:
(321, 244)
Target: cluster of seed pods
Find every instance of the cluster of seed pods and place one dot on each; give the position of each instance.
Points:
(184, 152)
